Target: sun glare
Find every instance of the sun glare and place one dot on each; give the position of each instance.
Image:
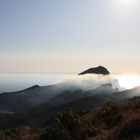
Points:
(129, 82)
(124, 7)
(127, 2)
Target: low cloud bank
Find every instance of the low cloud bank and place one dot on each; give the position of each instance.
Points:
(88, 82)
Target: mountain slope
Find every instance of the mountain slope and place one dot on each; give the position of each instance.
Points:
(112, 121)
(119, 121)
(25, 99)
(80, 102)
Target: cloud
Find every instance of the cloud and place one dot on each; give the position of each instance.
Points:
(87, 82)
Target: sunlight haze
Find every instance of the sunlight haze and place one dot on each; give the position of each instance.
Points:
(68, 36)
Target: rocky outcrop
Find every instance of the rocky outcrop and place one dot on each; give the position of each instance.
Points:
(97, 70)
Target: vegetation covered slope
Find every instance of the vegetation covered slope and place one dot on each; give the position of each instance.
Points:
(116, 121)
(112, 121)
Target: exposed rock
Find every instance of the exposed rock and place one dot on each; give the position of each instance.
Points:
(97, 70)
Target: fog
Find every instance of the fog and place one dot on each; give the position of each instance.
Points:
(17, 82)
(88, 82)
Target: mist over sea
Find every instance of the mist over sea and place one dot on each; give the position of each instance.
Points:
(17, 82)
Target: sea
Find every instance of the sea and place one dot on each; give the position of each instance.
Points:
(17, 82)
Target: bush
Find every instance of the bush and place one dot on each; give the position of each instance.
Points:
(12, 134)
(111, 114)
(89, 130)
(131, 128)
(2, 136)
(68, 126)
(56, 133)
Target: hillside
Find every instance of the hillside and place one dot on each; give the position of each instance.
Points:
(112, 121)
(80, 102)
(119, 121)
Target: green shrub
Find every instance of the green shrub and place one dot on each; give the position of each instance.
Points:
(68, 126)
(7, 137)
(111, 114)
(56, 133)
(89, 130)
(2, 136)
(12, 134)
(131, 128)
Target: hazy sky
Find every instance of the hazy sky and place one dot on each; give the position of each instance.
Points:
(57, 36)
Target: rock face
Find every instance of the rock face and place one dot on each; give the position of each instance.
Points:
(97, 70)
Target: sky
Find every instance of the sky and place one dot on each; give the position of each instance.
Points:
(69, 36)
